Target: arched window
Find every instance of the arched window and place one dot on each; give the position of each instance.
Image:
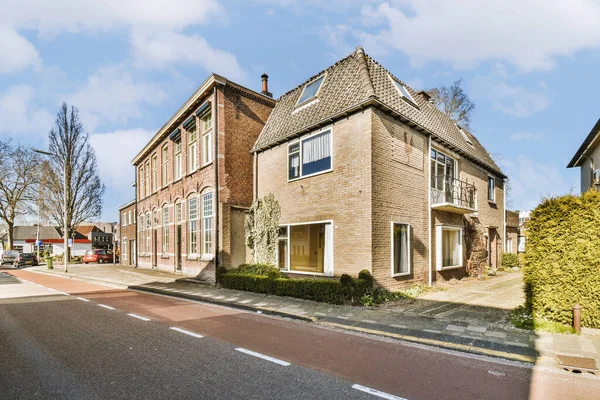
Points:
(207, 222)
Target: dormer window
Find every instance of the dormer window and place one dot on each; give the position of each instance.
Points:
(404, 92)
(311, 90)
(465, 136)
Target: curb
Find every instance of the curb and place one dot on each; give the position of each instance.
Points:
(266, 311)
(437, 343)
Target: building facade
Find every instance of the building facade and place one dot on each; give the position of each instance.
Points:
(128, 234)
(194, 180)
(371, 175)
(587, 158)
(512, 232)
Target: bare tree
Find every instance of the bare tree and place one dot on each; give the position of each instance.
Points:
(19, 178)
(73, 156)
(453, 102)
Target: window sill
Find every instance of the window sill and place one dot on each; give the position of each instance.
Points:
(493, 202)
(450, 268)
(311, 175)
(176, 180)
(208, 257)
(400, 275)
(192, 258)
(164, 257)
(289, 271)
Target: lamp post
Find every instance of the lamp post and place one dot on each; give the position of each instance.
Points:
(65, 228)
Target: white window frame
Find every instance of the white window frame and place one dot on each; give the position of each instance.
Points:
(192, 147)
(310, 99)
(142, 176)
(289, 248)
(177, 159)
(281, 239)
(493, 200)
(165, 165)
(207, 138)
(148, 178)
(124, 253)
(192, 251)
(124, 219)
(154, 163)
(166, 222)
(300, 140)
(205, 218)
(406, 96)
(509, 246)
(394, 274)
(439, 243)
(129, 218)
(465, 136)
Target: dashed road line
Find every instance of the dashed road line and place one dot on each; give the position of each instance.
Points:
(139, 317)
(264, 357)
(82, 299)
(196, 335)
(105, 306)
(377, 393)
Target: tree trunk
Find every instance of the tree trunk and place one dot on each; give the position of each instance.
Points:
(11, 227)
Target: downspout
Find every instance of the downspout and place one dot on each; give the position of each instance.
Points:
(216, 163)
(427, 185)
(255, 191)
(135, 210)
(504, 206)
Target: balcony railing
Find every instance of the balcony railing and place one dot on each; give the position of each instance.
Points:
(451, 194)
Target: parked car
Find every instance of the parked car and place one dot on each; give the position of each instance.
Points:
(98, 256)
(26, 259)
(8, 256)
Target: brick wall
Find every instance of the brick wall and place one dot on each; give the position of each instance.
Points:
(127, 232)
(343, 195)
(399, 195)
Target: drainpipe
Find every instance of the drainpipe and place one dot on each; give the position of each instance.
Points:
(216, 161)
(255, 192)
(135, 210)
(428, 186)
(504, 206)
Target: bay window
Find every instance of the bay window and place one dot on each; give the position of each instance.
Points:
(310, 156)
(400, 249)
(449, 252)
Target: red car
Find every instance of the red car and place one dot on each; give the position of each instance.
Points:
(98, 256)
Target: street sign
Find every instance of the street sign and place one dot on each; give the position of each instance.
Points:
(38, 243)
(70, 243)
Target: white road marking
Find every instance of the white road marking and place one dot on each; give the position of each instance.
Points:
(187, 332)
(377, 393)
(82, 299)
(259, 355)
(139, 317)
(105, 306)
(496, 373)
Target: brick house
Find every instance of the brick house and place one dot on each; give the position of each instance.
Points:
(512, 232)
(127, 234)
(371, 175)
(194, 180)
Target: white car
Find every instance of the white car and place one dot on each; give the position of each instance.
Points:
(8, 256)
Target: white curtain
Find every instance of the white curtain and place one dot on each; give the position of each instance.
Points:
(316, 148)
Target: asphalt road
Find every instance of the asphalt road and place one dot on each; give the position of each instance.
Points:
(74, 340)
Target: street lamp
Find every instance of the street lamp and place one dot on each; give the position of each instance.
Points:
(65, 228)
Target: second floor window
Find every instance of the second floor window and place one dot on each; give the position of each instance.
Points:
(165, 166)
(310, 156)
(142, 182)
(177, 159)
(491, 188)
(192, 148)
(148, 191)
(207, 153)
(154, 174)
(443, 170)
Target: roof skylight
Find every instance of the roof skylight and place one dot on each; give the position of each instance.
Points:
(403, 91)
(465, 136)
(310, 90)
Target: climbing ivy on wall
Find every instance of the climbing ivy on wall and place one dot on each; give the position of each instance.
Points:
(262, 229)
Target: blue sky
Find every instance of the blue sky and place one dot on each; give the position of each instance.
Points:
(530, 69)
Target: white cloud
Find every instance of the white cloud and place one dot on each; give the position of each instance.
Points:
(510, 99)
(528, 34)
(113, 94)
(160, 49)
(531, 180)
(114, 152)
(16, 52)
(19, 116)
(527, 136)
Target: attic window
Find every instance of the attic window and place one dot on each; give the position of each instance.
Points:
(465, 136)
(310, 90)
(404, 92)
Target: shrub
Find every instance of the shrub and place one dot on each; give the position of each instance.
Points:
(274, 274)
(562, 259)
(220, 272)
(510, 261)
(253, 269)
(346, 280)
(365, 275)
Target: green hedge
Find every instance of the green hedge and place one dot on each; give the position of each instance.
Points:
(562, 259)
(322, 290)
(510, 260)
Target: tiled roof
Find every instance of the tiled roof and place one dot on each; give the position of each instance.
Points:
(355, 80)
(30, 232)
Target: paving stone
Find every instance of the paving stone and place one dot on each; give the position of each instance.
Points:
(500, 335)
(476, 328)
(456, 328)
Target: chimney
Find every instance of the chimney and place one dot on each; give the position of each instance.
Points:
(265, 85)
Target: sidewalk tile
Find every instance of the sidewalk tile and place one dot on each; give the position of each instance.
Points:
(475, 328)
(456, 328)
(500, 335)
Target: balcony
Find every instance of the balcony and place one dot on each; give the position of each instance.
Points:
(451, 195)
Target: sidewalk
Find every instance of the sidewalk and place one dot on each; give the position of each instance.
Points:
(464, 334)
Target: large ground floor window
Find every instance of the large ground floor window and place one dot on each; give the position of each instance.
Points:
(449, 252)
(306, 248)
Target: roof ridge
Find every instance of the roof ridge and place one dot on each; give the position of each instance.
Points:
(364, 72)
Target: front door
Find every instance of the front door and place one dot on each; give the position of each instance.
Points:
(178, 248)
